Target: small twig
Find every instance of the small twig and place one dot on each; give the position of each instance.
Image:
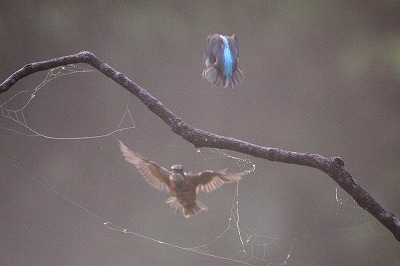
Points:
(334, 166)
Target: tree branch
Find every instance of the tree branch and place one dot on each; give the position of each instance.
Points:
(334, 166)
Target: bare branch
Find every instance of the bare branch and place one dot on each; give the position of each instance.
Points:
(334, 166)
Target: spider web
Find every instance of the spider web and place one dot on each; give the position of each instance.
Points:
(237, 243)
(17, 114)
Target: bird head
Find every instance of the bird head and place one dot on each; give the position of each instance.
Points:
(177, 168)
(177, 172)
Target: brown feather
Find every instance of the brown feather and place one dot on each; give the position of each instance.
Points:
(154, 174)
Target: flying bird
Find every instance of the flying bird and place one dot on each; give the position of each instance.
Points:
(220, 61)
(183, 186)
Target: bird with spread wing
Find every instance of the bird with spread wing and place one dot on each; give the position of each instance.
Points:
(183, 186)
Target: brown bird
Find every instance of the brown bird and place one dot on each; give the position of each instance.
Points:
(183, 186)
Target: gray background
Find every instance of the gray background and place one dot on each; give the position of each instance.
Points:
(321, 77)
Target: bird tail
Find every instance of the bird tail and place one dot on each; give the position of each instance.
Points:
(215, 77)
(196, 209)
(174, 203)
(234, 81)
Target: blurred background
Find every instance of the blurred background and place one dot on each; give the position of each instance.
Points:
(321, 77)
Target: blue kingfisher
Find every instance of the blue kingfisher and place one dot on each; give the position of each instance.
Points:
(220, 61)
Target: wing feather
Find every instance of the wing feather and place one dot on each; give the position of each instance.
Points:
(208, 181)
(154, 174)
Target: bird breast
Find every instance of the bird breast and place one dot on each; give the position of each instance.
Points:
(185, 193)
(176, 177)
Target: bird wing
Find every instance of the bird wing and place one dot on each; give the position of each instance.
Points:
(154, 174)
(208, 49)
(208, 181)
(213, 47)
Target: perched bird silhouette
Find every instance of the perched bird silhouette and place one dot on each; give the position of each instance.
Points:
(183, 186)
(220, 61)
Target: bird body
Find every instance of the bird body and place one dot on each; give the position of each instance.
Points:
(184, 198)
(220, 61)
(183, 186)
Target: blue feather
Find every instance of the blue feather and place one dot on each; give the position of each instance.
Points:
(228, 60)
(220, 61)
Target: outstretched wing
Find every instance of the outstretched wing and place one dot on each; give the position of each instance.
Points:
(208, 181)
(154, 174)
